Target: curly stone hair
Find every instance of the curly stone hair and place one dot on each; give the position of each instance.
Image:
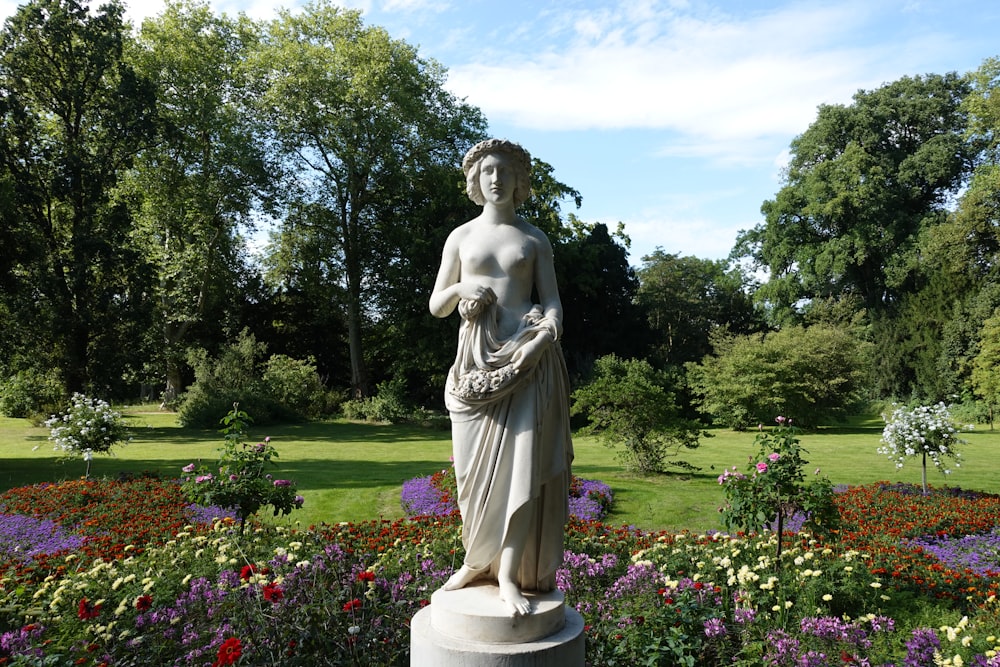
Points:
(520, 158)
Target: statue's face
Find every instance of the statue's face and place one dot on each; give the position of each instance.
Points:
(497, 178)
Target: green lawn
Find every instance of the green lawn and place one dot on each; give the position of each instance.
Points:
(352, 472)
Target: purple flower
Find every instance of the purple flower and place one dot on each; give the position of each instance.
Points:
(773, 456)
(714, 627)
(299, 501)
(421, 498)
(921, 647)
(282, 482)
(203, 478)
(761, 467)
(189, 468)
(25, 537)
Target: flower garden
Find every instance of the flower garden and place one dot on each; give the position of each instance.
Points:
(143, 570)
(130, 573)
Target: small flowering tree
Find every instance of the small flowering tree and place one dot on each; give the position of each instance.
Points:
(775, 488)
(240, 481)
(927, 431)
(87, 426)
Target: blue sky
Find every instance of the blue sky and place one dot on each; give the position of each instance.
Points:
(672, 117)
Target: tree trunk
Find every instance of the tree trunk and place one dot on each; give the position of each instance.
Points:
(923, 474)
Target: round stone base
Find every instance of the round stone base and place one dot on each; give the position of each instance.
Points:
(477, 613)
(431, 648)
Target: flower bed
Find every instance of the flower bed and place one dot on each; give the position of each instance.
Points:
(167, 593)
(435, 495)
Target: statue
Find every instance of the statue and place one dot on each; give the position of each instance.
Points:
(508, 390)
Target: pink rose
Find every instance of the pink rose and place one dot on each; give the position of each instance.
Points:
(761, 467)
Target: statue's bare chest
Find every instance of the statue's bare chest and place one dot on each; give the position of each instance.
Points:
(499, 252)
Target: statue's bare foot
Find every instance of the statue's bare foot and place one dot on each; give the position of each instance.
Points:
(511, 594)
(465, 576)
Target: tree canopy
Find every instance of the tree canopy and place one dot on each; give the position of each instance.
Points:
(865, 180)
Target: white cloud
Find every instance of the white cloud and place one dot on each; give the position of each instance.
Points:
(725, 84)
(678, 234)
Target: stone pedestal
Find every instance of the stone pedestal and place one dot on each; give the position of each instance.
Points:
(471, 627)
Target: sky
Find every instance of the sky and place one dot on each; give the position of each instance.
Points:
(672, 117)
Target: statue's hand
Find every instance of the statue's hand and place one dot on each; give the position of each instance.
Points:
(473, 291)
(528, 355)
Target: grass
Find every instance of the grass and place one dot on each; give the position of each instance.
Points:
(351, 472)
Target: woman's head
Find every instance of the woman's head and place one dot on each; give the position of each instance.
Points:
(519, 157)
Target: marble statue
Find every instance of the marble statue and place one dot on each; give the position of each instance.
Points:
(508, 391)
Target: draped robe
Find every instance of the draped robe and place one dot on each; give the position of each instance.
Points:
(511, 442)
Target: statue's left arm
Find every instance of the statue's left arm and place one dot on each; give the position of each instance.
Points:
(545, 283)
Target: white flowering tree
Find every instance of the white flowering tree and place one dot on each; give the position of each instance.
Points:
(927, 431)
(87, 426)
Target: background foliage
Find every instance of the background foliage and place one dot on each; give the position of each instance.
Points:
(165, 188)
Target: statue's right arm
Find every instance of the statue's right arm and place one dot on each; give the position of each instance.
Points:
(445, 296)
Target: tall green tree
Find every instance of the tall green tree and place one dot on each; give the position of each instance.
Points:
(864, 180)
(598, 289)
(986, 365)
(357, 115)
(207, 174)
(961, 260)
(687, 298)
(73, 114)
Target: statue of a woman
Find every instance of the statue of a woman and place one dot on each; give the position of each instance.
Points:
(507, 392)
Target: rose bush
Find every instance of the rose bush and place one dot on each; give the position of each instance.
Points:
(240, 480)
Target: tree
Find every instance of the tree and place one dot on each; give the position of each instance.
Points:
(863, 182)
(686, 299)
(207, 173)
(357, 115)
(73, 114)
(925, 430)
(986, 365)
(813, 375)
(598, 289)
(629, 403)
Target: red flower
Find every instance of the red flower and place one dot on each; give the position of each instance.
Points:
(273, 593)
(143, 602)
(352, 605)
(366, 576)
(229, 652)
(247, 572)
(86, 610)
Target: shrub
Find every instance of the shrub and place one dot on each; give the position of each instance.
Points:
(280, 389)
(775, 488)
(815, 373)
(31, 392)
(87, 426)
(295, 384)
(629, 403)
(927, 431)
(239, 481)
(388, 405)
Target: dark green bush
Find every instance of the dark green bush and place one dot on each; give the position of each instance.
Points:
(280, 389)
(32, 393)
